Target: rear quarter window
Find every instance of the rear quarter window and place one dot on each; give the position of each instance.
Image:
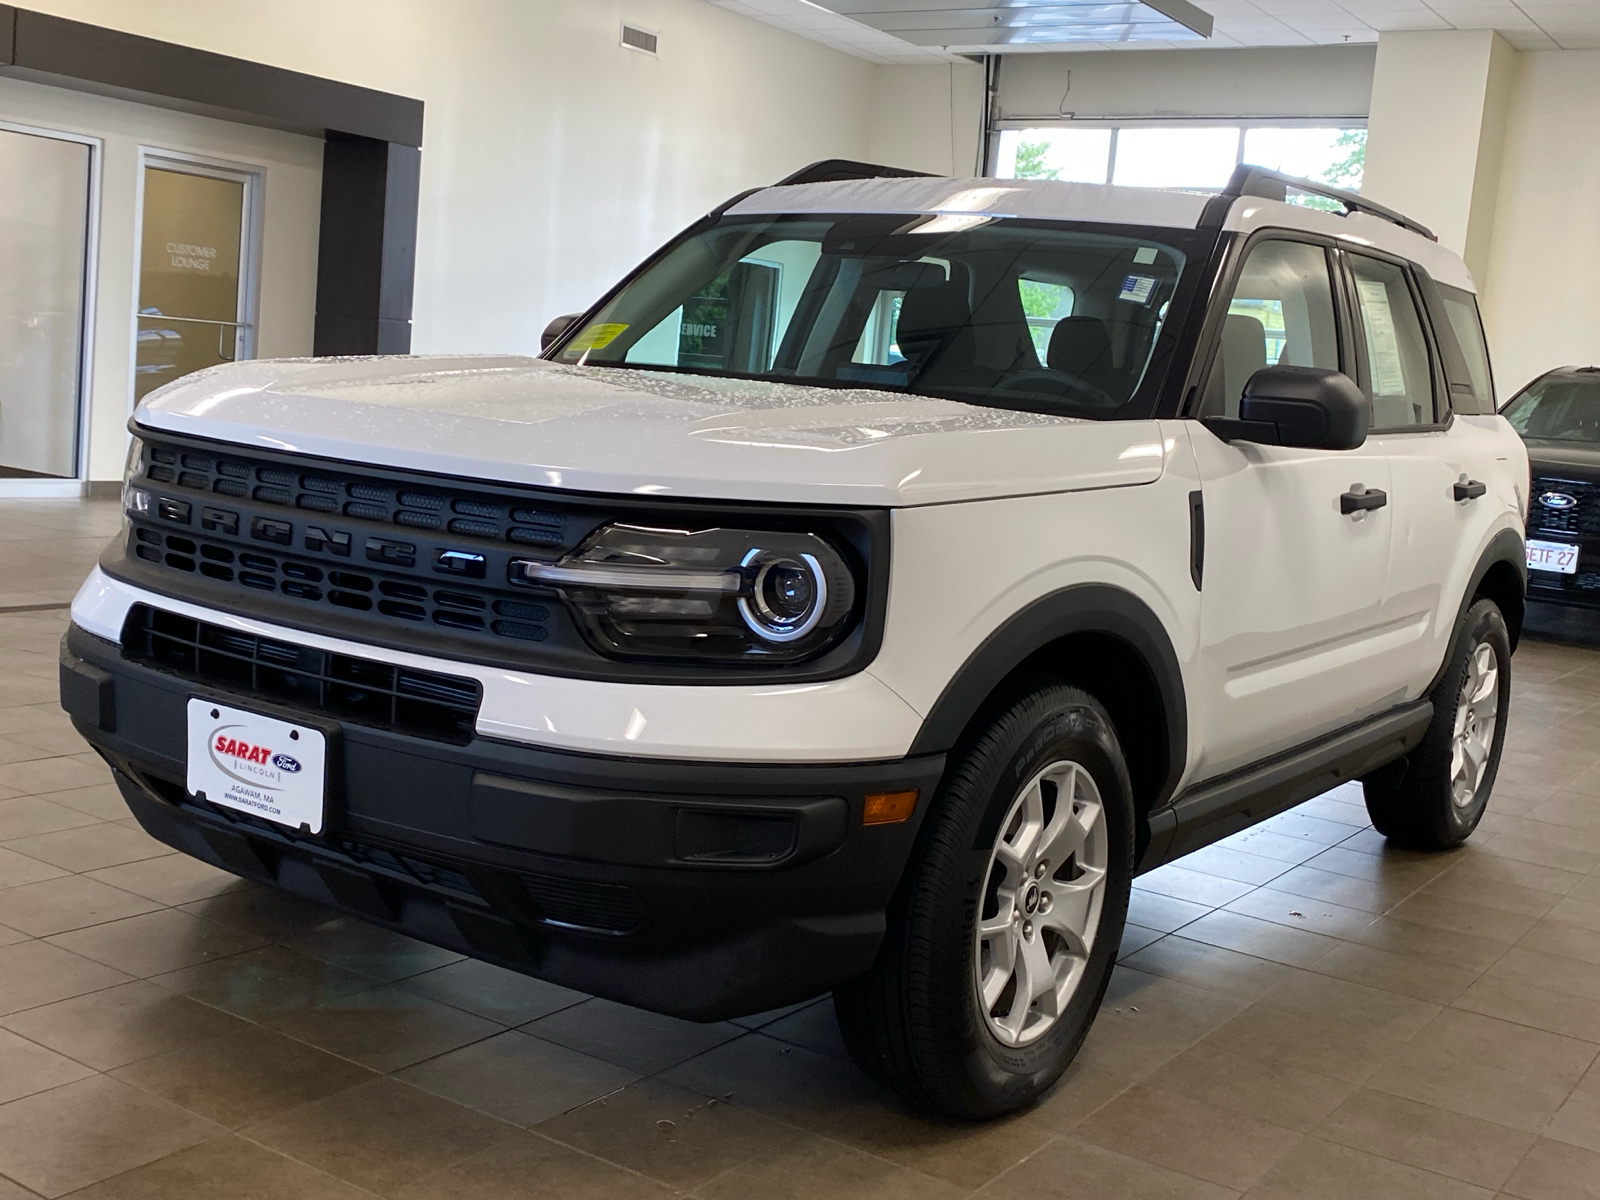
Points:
(1461, 312)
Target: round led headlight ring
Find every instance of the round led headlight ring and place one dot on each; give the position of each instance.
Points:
(788, 596)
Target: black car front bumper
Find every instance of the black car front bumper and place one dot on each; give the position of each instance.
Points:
(1564, 508)
(702, 890)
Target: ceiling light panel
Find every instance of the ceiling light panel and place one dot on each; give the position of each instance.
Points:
(978, 25)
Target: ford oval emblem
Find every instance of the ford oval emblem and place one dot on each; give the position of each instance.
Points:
(285, 763)
(1558, 500)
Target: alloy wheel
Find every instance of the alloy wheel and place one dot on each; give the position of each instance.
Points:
(1041, 903)
(1477, 714)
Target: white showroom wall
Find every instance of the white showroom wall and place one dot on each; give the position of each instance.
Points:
(1261, 82)
(927, 118)
(553, 159)
(1541, 294)
(1495, 149)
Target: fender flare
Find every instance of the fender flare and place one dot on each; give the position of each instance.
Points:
(1508, 547)
(1082, 608)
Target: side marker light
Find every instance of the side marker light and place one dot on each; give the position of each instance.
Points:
(889, 808)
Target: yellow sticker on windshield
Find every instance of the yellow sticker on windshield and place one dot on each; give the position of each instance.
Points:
(593, 337)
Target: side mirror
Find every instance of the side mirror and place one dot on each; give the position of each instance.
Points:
(555, 329)
(1309, 407)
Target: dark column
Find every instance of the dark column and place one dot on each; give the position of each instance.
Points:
(367, 250)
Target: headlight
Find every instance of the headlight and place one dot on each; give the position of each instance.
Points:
(722, 594)
(135, 501)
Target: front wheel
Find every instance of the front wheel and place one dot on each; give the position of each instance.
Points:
(1434, 797)
(1002, 939)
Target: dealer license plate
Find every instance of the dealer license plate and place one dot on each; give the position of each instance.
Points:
(1552, 556)
(258, 765)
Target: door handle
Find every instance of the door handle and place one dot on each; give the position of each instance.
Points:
(1470, 489)
(1364, 500)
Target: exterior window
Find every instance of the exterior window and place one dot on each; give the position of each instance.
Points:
(1400, 374)
(1198, 157)
(1281, 312)
(1044, 304)
(736, 321)
(877, 345)
(1191, 154)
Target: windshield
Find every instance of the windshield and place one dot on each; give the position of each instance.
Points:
(1053, 317)
(1558, 408)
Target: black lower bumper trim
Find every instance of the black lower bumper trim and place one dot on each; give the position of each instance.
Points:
(699, 890)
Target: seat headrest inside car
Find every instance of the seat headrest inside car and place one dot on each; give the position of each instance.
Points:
(1079, 346)
(1244, 352)
(931, 318)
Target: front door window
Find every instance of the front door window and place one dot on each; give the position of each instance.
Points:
(1281, 312)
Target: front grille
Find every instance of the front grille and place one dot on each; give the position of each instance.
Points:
(358, 690)
(425, 563)
(422, 559)
(1581, 519)
(582, 904)
(429, 874)
(389, 599)
(335, 492)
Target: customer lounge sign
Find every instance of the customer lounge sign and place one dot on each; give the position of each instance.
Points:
(188, 257)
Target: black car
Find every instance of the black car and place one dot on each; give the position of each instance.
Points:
(1558, 416)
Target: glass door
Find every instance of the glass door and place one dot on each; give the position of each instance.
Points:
(194, 271)
(44, 238)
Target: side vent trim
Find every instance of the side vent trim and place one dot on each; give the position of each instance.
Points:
(642, 40)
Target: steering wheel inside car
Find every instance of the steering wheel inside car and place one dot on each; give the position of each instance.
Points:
(1060, 385)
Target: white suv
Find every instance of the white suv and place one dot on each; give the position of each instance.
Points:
(857, 598)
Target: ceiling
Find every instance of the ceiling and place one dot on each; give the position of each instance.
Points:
(924, 31)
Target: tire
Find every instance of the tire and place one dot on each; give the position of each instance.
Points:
(1434, 797)
(917, 1021)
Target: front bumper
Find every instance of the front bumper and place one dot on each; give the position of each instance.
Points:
(703, 890)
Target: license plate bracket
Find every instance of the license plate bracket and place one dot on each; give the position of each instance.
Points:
(1558, 557)
(270, 767)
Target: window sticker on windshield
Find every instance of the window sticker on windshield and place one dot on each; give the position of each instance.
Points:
(1137, 288)
(1145, 255)
(595, 337)
(1383, 342)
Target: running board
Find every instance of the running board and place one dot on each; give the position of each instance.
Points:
(1210, 811)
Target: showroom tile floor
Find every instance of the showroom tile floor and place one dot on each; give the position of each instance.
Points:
(1299, 1013)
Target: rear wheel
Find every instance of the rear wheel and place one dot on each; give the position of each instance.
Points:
(1434, 797)
(1002, 938)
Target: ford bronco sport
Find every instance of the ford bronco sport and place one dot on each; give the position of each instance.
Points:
(857, 597)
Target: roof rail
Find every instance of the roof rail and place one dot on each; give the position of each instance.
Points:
(1275, 185)
(836, 170)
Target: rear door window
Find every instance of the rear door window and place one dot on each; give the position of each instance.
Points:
(1399, 365)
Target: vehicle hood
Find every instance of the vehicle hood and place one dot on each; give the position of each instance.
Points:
(607, 429)
(1566, 460)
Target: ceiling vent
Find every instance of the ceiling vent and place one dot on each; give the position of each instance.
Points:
(642, 40)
